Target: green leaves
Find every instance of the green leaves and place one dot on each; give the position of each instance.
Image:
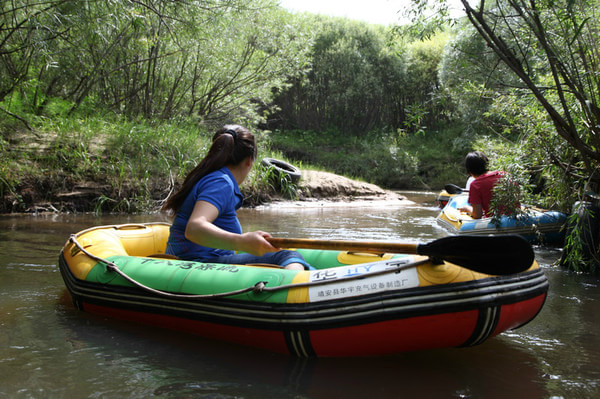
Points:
(361, 80)
(216, 60)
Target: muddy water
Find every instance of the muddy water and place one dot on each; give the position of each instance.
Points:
(50, 350)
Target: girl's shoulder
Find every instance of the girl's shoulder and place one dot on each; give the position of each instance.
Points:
(220, 176)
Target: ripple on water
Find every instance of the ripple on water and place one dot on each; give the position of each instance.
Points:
(530, 340)
(31, 267)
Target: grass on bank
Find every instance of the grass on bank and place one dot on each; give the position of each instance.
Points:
(108, 163)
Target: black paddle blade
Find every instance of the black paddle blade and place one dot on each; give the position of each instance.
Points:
(497, 255)
(453, 189)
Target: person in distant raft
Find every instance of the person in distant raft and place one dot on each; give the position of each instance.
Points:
(481, 188)
(205, 226)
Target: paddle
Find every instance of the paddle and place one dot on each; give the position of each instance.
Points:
(497, 255)
(454, 189)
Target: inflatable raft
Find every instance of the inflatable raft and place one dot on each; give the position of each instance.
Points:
(354, 304)
(535, 225)
(443, 197)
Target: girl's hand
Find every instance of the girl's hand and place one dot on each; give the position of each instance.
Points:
(255, 243)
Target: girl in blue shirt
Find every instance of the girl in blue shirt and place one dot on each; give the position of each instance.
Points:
(206, 227)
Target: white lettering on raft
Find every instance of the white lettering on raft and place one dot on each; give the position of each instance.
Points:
(186, 265)
(404, 278)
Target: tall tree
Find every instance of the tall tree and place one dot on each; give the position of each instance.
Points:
(551, 47)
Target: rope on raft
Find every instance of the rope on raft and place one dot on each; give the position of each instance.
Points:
(450, 218)
(256, 288)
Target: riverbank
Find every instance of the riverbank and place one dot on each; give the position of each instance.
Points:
(315, 188)
(104, 165)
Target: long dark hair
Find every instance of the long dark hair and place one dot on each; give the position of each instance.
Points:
(231, 145)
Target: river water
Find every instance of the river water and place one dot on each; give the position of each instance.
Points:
(48, 349)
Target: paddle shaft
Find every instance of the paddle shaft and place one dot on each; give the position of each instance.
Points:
(499, 255)
(340, 245)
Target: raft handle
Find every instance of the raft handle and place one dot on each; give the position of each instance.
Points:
(131, 226)
(450, 218)
(357, 253)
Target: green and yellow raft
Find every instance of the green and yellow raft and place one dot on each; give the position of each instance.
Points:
(354, 304)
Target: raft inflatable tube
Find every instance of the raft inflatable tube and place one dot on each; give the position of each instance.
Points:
(352, 305)
(282, 169)
(535, 225)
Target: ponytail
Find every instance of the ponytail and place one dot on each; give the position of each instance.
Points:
(231, 145)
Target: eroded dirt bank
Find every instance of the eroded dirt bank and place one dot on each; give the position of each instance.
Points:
(318, 187)
(315, 188)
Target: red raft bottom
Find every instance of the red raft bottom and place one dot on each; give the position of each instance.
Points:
(377, 338)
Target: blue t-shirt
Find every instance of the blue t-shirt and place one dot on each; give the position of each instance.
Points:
(220, 189)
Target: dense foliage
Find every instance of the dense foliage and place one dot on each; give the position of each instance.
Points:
(362, 80)
(212, 59)
(205, 63)
(354, 84)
